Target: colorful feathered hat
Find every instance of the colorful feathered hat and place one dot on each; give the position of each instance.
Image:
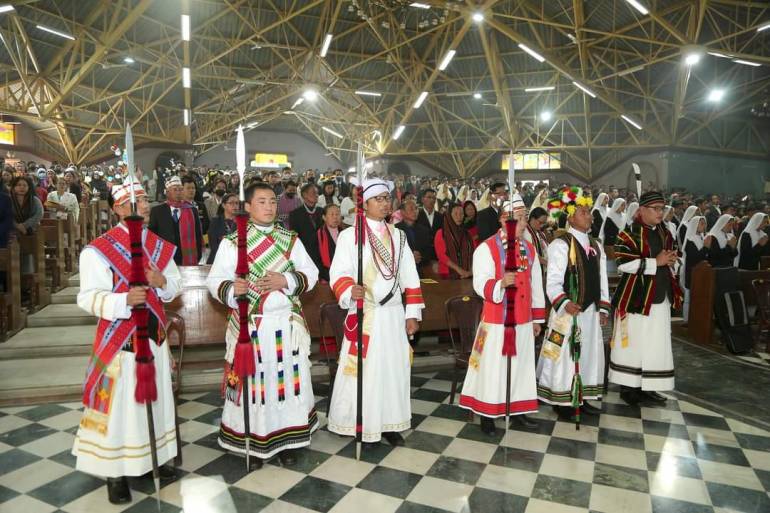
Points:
(567, 200)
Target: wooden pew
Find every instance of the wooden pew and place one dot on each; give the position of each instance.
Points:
(104, 217)
(32, 247)
(12, 317)
(700, 323)
(53, 235)
(72, 243)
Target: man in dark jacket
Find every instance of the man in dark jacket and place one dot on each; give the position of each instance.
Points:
(177, 221)
(488, 219)
(417, 235)
(306, 220)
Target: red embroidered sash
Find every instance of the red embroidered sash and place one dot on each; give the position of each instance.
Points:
(111, 336)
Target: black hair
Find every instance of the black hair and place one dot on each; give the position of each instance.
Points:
(328, 206)
(189, 179)
(290, 183)
(248, 193)
(537, 212)
(426, 191)
(306, 187)
(496, 185)
(225, 198)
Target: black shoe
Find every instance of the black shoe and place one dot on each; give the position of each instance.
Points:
(118, 491)
(524, 422)
(394, 439)
(652, 396)
(167, 472)
(630, 395)
(588, 409)
(488, 426)
(255, 463)
(287, 457)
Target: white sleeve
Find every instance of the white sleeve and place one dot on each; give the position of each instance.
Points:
(342, 271)
(557, 265)
(173, 283)
(96, 296)
(632, 267)
(222, 273)
(483, 272)
(604, 284)
(538, 298)
(409, 279)
(303, 264)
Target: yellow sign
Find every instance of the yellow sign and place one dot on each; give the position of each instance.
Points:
(271, 160)
(7, 133)
(532, 161)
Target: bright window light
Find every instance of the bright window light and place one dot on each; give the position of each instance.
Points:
(330, 131)
(631, 122)
(420, 99)
(187, 117)
(477, 17)
(446, 60)
(185, 27)
(746, 63)
(186, 78)
(638, 6)
(310, 95)
(538, 89)
(532, 53)
(6, 8)
(325, 46)
(55, 32)
(584, 89)
(368, 93)
(716, 95)
(398, 132)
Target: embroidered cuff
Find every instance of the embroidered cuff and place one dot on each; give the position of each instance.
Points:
(538, 315)
(413, 296)
(301, 280)
(223, 291)
(489, 289)
(559, 301)
(342, 285)
(604, 307)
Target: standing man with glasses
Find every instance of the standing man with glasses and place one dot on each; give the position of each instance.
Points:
(641, 359)
(487, 220)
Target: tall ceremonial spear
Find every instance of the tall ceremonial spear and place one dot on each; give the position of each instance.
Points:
(243, 359)
(360, 239)
(638, 176)
(509, 329)
(146, 391)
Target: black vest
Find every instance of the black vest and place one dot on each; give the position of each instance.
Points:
(587, 271)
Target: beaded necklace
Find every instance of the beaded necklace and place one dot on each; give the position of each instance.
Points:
(383, 259)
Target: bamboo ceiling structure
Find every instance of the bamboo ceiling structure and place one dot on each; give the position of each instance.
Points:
(250, 61)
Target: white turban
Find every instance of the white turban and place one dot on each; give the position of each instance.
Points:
(374, 187)
(516, 202)
(172, 181)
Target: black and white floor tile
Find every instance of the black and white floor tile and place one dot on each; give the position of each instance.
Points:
(679, 458)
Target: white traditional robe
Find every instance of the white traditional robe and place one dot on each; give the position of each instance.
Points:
(556, 367)
(483, 391)
(124, 450)
(386, 372)
(278, 424)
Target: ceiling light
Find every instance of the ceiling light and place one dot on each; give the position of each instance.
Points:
(584, 89)
(537, 89)
(721, 55)
(631, 122)
(298, 102)
(398, 132)
(6, 8)
(446, 60)
(716, 95)
(546, 115)
(477, 96)
(747, 63)
(55, 32)
(420, 99)
(419, 5)
(628, 71)
(187, 117)
(185, 27)
(639, 7)
(186, 78)
(329, 130)
(325, 46)
(759, 29)
(691, 59)
(310, 95)
(368, 93)
(128, 60)
(477, 17)
(532, 53)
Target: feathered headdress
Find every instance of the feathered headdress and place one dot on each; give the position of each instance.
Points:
(567, 200)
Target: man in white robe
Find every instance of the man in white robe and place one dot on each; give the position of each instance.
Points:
(484, 390)
(282, 413)
(113, 439)
(577, 288)
(389, 272)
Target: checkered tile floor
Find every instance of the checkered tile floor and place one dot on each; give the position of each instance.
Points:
(678, 458)
(758, 357)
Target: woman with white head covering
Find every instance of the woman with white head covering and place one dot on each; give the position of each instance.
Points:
(723, 250)
(484, 200)
(668, 214)
(694, 251)
(614, 223)
(599, 214)
(753, 243)
(633, 207)
(688, 214)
